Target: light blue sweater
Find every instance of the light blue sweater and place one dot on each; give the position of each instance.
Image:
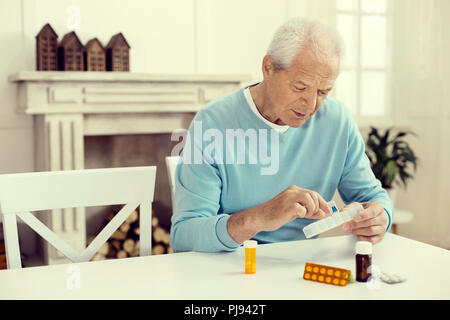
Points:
(324, 154)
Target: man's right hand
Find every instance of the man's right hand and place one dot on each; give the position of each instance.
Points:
(290, 204)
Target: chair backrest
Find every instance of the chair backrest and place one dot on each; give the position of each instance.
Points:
(24, 192)
(171, 163)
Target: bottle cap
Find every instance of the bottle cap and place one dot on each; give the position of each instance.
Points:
(250, 244)
(332, 206)
(363, 247)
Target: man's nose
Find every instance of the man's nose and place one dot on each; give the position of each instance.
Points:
(309, 100)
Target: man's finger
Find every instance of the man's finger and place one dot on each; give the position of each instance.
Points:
(319, 214)
(315, 198)
(323, 205)
(307, 201)
(369, 213)
(374, 239)
(368, 231)
(377, 221)
(301, 210)
(350, 205)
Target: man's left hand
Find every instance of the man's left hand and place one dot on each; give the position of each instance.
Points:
(369, 224)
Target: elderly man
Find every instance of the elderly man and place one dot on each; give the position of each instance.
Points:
(221, 202)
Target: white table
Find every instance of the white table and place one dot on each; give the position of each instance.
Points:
(278, 275)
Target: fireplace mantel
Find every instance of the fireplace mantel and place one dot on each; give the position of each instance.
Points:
(67, 106)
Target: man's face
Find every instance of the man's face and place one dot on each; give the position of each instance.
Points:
(297, 93)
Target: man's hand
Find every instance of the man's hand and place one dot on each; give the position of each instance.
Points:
(369, 224)
(290, 204)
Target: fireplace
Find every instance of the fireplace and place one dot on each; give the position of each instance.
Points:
(80, 116)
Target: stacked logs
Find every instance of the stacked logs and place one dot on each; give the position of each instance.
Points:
(124, 242)
(2, 255)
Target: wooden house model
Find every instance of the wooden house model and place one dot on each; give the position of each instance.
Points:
(94, 56)
(118, 54)
(46, 49)
(71, 53)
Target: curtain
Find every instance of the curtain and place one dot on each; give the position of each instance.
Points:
(421, 98)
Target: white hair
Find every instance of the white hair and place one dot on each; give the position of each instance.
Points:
(298, 33)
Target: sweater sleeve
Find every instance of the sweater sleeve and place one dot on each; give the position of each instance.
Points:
(197, 224)
(358, 183)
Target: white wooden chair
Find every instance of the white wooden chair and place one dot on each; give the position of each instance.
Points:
(171, 163)
(24, 192)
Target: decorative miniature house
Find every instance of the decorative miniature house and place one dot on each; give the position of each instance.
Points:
(46, 49)
(118, 54)
(71, 53)
(94, 56)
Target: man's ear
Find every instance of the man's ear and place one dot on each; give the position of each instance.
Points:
(267, 67)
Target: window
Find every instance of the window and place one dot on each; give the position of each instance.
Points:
(364, 80)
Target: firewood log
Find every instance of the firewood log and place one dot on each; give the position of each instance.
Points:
(121, 254)
(128, 245)
(118, 235)
(166, 238)
(2, 260)
(136, 251)
(158, 249)
(159, 234)
(98, 257)
(104, 249)
(116, 244)
(124, 227)
(112, 253)
(155, 222)
(132, 217)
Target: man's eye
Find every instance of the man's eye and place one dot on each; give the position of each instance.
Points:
(322, 93)
(299, 89)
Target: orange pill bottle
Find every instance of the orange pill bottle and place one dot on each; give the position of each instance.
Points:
(250, 256)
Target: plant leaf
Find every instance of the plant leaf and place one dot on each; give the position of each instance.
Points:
(391, 172)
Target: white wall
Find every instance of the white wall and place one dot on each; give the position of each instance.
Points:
(230, 37)
(15, 130)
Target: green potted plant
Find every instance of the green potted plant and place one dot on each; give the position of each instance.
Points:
(390, 158)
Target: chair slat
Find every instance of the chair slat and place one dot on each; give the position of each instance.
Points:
(145, 229)
(172, 163)
(11, 242)
(41, 229)
(107, 231)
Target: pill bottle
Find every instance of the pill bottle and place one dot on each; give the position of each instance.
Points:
(250, 256)
(363, 260)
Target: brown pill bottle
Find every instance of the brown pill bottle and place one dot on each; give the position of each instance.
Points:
(363, 260)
